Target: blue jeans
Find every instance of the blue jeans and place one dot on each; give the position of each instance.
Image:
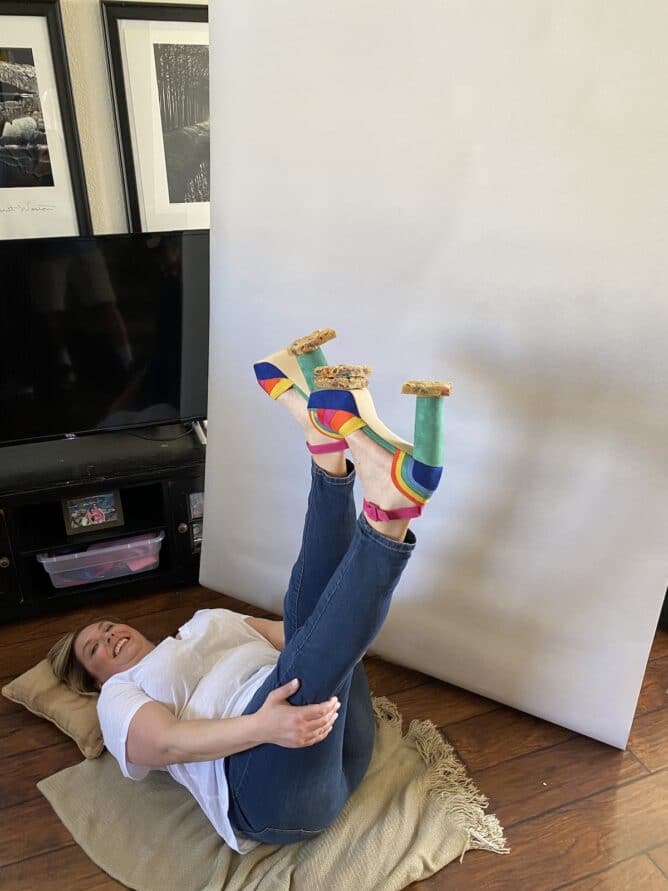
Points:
(337, 600)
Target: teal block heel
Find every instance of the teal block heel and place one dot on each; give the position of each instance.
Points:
(294, 366)
(341, 404)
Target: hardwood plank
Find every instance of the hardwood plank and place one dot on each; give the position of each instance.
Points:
(67, 868)
(570, 843)
(53, 626)
(441, 703)
(67, 618)
(654, 693)
(532, 784)
(22, 732)
(636, 873)
(502, 734)
(660, 857)
(19, 773)
(660, 644)
(385, 679)
(648, 739)
(29, 829)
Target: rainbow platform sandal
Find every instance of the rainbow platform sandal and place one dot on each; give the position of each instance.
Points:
(340, 403)
(294, 367)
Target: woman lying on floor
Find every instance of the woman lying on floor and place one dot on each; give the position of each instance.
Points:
(270, 724)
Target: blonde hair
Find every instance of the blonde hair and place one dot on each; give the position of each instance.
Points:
(65, 665)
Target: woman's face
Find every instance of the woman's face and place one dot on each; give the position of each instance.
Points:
(105, 648)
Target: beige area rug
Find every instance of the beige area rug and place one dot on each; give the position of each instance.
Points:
(416, 811)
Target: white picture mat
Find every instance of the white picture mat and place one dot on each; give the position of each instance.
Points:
(39, 211)
(137, 39)
(475, 193)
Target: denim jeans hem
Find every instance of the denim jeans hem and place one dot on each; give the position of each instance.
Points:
(271, 836)
(405, 547)
(348, 480)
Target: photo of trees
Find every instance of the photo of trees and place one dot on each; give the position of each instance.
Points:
(183, 87)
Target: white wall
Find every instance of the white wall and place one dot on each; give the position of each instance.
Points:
(84, 38)
(474, 191)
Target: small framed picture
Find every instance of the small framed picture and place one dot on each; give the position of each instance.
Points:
(92, 512)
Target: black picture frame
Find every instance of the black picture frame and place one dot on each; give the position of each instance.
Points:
(113, 13)
(50, 11)
(76, 511)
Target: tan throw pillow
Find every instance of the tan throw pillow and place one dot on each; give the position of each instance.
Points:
(40, 691)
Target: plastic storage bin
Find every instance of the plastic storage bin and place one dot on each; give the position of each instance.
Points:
(107, 560)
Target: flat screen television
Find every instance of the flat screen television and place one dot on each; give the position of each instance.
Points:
(102, 333)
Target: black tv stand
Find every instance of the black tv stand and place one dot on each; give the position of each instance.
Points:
(154, 469)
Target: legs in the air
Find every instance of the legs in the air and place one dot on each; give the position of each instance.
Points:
(310, 785)
(339, 594)
(328, 526)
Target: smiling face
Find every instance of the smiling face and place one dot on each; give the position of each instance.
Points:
(105, 648)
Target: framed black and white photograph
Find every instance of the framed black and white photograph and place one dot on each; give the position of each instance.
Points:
(42, 184)
(159, 65)
(93, 512)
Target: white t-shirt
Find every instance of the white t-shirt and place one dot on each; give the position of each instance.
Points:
(211, 671)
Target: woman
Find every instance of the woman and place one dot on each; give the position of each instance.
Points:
(270, 724)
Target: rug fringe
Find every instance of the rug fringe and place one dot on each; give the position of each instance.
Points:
(447, 778)
(385, 710)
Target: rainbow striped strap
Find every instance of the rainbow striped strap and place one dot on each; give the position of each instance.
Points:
(374, 512)
(340, 445)
(271, 379)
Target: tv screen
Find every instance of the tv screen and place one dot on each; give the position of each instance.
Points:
(102, 332)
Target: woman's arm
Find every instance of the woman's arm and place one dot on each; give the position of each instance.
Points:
(272, 630)
(157, 738)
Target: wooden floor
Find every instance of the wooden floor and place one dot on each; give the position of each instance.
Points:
(577, 814)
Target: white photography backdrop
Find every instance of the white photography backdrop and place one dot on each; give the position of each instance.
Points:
(474, 191)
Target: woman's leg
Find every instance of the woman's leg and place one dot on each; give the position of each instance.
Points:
(281, 795)
(309, 786)
(329, 527)
(328, 531)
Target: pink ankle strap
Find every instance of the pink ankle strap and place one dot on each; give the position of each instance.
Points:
(340, 445)
(374, 512)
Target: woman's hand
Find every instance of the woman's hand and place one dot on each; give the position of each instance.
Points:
(295, 726)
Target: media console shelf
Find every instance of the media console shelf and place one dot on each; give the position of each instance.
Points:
(155, 471)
